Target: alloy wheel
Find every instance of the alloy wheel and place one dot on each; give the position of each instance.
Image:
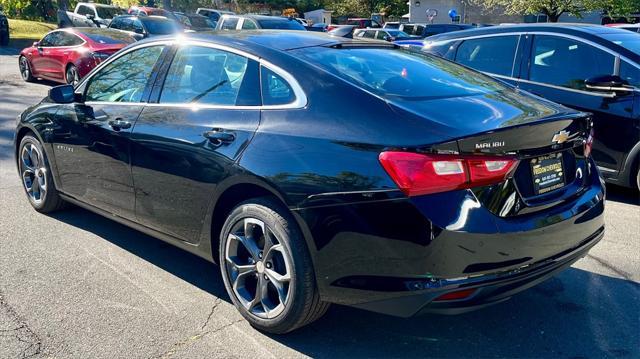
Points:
(24, 68)
(258, 268)
(72, 76)
(34, 172)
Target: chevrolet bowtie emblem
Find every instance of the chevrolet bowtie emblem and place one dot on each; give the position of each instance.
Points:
(560, 137)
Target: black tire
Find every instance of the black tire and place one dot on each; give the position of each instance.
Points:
(25, 69)
(71, 75)
(302, 305)
(36, 176)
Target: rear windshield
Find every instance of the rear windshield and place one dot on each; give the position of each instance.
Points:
(400, 73)
(160, 26)
(629, 41)
(107, 36)
(281, 24)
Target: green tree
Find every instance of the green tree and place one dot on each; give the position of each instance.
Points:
(554, 8)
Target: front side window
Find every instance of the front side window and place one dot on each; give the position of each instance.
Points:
(368, 34)
(566, 62)
(203, 75)
(85, 10)
(124, 79)
(381, 35)
(51, 39)
(275, 90)
(630, 73)
(489, 54)
(229, 23)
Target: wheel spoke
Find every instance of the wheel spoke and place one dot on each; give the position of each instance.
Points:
(262, 292)
(278, 282)
(249, 244)
(275, 248)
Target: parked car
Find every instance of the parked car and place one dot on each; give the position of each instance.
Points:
(213, 14)
(150, 11)
(88, 14)
(382, 34)
(316, 170)
(435, 29)
(588, 67)
(362, 23)
(302, 21)
(195, 22)
(318, 27)
(253, 22)
(413, 29)
(630, 27)
(343, 31)
(67, 55)
(145, 26)
(4, 30)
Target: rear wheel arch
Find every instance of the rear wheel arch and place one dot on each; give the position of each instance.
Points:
(229, 198)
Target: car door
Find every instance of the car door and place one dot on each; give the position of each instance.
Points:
(91, 145)
(185, 143)
(557, 69)
(40, 64)
(57, 55)
(493, 55)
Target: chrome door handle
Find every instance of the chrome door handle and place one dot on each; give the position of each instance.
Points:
(119, 124)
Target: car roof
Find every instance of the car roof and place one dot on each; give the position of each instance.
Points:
(566, 28)
(259, 17)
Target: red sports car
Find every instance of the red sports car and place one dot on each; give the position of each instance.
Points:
(67, 55)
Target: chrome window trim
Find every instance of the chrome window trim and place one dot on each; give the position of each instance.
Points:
(607, 95)
(301, 100)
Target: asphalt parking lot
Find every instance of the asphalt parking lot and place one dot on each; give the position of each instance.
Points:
(74, 284)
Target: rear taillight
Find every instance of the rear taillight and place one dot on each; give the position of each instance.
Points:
(419, 174)
(588, 144)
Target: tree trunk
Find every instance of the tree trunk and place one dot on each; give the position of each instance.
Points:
(553, 16)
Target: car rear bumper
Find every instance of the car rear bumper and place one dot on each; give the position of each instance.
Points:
(489, 289)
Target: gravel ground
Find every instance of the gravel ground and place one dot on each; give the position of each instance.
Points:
(76, 285)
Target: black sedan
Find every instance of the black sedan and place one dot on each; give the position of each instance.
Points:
(588, 67)
(319, 170)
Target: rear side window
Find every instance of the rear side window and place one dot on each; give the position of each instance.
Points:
(210, 76)
(489, 54)
(124, 79)
(400, 73)
(249, 25)
(229, 23)
(567, 62)
(85, 10)
(275, 90)
(67, 39)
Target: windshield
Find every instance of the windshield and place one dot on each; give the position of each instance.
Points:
(629, 41)
(159, 26)
(281, 24)
(107, 36)
(108, 12)
(399, 73)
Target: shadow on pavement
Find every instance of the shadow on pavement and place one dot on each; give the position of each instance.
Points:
(623, 194)
(576, 314)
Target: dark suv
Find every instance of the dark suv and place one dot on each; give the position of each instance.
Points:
(588, 67)
(4, 30)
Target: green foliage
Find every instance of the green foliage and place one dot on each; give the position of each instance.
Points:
(554, 8)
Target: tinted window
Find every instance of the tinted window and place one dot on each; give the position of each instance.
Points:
(629, 41)
(281, 24)
(368, 34)
(565, 62)
(206, 76)
(159, 26)
(124, 79)
(630, 73)
(67, 39)
(51, 39)
(381, 35)
(85, 10)
(229, 23)
(432, 30)
(198, 21)
(249, 24)
(395, 72)
(108, 12)
(490, 54)
(275, 90)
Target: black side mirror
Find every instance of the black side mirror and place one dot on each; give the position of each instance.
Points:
(62, 94)
(608, 83)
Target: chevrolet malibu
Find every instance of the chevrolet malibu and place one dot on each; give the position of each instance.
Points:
(318, 170)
